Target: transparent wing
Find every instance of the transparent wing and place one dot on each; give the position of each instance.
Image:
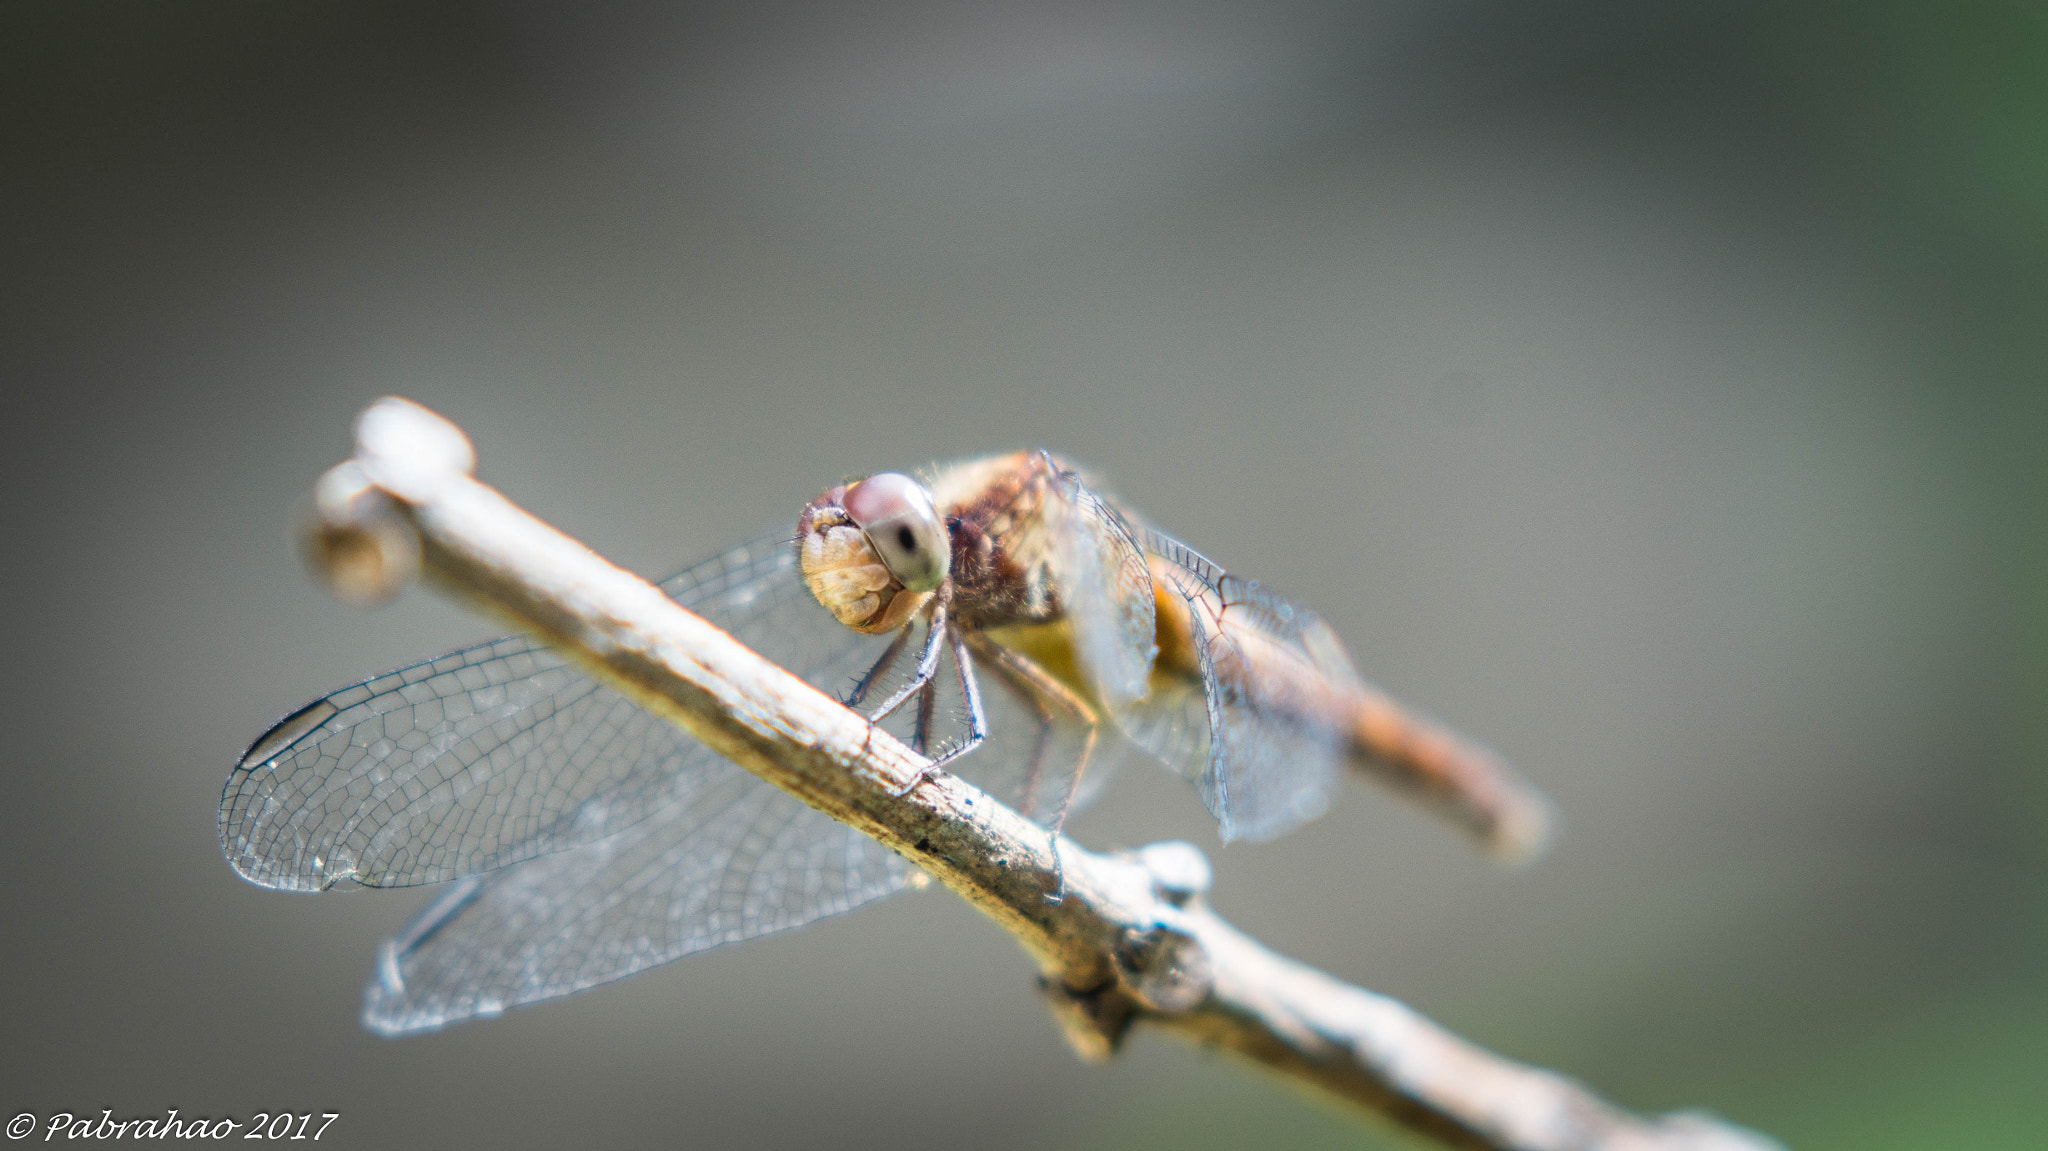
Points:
(726, 858)
(1241, 695)
(723, 857)
(492, 754)
(1107, 592)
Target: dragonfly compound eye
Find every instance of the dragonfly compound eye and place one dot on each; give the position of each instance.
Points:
(903, 527)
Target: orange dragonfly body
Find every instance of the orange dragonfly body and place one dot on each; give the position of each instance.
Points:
(1077, 602)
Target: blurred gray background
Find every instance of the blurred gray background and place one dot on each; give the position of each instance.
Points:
(1656, 391)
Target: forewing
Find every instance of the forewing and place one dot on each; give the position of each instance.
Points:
(499, 752)
(1246, 717)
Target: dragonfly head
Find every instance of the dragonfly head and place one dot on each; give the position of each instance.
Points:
(874, 551)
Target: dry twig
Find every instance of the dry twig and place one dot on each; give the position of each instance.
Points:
(1133, 938)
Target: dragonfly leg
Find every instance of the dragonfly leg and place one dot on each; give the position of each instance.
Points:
(927, 703)
(1029, 799)
(1059, 818)
(927, 665)
(1045, 690)
(977, 721)
(1029, 696)
(890, 655)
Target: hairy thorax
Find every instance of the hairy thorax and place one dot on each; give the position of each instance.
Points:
(995, 510)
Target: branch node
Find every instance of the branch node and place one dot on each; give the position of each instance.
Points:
(1180, 872)
(1165, 969)
(1094, 1021)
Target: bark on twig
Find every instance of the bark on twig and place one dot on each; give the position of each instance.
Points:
(1132, 938)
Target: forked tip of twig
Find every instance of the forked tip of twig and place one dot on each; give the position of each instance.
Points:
(358, 546)
(355, 543)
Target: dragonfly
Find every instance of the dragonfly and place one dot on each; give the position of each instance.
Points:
(583, 839)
